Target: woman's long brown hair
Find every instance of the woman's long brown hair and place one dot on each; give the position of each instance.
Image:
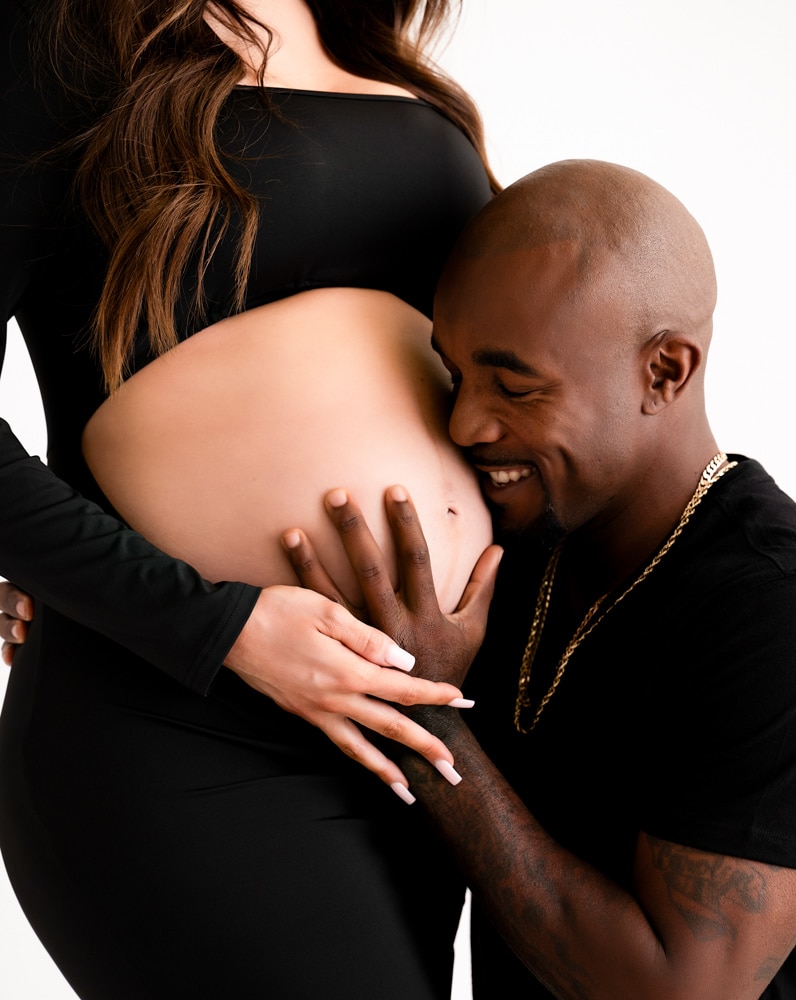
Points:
(150, 175)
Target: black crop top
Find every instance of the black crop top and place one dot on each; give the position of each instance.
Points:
(356, 190)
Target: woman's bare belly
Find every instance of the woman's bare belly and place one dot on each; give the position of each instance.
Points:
(220, 445)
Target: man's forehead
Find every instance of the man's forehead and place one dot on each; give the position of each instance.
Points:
(510, 277)
(515, 243)
(510, 288)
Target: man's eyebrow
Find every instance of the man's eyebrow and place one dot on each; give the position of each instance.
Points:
(495, 358)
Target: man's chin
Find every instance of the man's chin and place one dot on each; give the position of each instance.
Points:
(544, 531)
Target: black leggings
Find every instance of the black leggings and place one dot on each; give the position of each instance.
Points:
(165, 845)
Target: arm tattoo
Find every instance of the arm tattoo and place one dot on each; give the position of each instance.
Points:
(707, 888)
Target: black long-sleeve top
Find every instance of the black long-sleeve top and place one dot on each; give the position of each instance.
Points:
(362, 191)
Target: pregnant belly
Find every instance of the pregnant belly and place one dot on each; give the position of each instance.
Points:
(220, 445)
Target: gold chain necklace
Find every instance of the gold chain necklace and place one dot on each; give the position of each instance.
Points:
(712, 473)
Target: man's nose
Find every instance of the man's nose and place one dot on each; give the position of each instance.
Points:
(471, 421)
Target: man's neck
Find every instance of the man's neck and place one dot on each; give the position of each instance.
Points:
(600, 557)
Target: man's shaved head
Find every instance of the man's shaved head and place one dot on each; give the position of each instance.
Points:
(658, 255)
(574, 316)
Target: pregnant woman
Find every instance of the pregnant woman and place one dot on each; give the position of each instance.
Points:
(222, 226)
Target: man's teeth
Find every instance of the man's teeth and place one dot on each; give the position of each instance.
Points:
(503, 476)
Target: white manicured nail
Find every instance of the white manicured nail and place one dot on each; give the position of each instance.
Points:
(448, 771)
(461, 703)
(397, 657)
(403, 793)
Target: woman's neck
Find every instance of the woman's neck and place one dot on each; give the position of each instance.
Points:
(296, 56)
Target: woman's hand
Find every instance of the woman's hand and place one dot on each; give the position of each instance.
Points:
(444, 645)
(317, 660)
(16, 610)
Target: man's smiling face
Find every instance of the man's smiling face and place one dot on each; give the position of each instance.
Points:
(548, 379)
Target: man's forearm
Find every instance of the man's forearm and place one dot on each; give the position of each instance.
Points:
(580, 933)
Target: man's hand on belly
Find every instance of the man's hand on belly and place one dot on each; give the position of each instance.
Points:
(444, 645)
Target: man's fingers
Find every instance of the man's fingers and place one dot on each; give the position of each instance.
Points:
(366, 560)
(417, 578)
(309, 570)
(477, 596)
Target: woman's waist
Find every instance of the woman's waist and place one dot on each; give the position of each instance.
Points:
(76, 692)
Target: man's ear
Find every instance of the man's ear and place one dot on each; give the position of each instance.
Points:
(670, 359)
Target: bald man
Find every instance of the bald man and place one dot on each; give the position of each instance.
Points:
(627, 818)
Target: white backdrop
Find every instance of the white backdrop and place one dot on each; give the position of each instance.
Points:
(699, 94)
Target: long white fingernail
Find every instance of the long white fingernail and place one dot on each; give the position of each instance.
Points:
(403, 793)
(397, 657)
(461, 703)
(448, 771)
